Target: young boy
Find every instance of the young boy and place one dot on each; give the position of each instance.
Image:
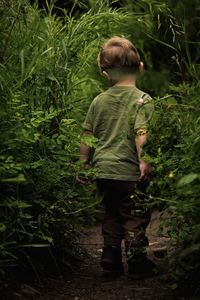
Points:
(119, 119)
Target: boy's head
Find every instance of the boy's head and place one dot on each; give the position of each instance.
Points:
(118, 57)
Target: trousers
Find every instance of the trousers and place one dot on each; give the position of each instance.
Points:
(126, 215)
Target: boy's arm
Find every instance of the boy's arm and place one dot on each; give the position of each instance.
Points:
(140, 139)
(84, 157)
(85, 149)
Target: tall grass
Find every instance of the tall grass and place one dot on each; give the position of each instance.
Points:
(49, 75)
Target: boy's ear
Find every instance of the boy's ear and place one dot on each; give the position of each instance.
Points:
(105, 74)
(141, 67)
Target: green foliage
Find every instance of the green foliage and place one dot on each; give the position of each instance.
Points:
(49, 75)
(174, 144)
(173, 150)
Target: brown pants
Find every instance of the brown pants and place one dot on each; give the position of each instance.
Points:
(126, 216)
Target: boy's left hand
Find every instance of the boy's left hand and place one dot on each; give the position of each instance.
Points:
(145, 170)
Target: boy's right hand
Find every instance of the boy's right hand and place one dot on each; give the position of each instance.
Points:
(145, 170)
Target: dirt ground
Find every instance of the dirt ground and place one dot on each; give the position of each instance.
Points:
(88, 281)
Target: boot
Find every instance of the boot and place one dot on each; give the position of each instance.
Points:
(111, 260)
(140, 266)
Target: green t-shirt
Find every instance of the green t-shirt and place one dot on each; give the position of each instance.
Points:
(113, 117)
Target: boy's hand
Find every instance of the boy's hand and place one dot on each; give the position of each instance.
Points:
(82, 180)
(145, 170)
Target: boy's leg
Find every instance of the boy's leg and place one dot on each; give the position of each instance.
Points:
(134, 219)
(112, 229)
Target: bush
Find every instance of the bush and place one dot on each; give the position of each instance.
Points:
(48, 77)
(173, 150)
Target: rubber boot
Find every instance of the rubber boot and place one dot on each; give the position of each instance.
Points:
(139, 266)
(111, 260)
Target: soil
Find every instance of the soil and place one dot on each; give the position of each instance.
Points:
(88, 282)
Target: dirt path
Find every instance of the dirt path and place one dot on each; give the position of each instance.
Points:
(87, 281)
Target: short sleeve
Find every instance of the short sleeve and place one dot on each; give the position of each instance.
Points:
(89, 120)
(144, 113)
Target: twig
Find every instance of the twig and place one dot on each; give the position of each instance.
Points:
(84, 208)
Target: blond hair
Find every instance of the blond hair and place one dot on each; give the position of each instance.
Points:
(119, 53)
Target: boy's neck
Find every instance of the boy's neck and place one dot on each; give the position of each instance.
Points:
(126, 82)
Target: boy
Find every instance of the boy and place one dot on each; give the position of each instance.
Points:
(119, 118)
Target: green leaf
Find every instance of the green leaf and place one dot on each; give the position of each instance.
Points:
(2, 227)
(187, 179)
(67, 122)
(89, 140)
(48, 238)
(19, 179)
(35, 245)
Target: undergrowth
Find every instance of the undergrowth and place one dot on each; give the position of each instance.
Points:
(48, 77)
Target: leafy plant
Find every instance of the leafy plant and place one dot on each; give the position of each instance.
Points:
(49, 75)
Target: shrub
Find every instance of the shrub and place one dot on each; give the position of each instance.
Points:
(48, 77)
(173, 150)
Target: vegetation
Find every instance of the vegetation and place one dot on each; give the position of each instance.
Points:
(48, 77)
(175, 182)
